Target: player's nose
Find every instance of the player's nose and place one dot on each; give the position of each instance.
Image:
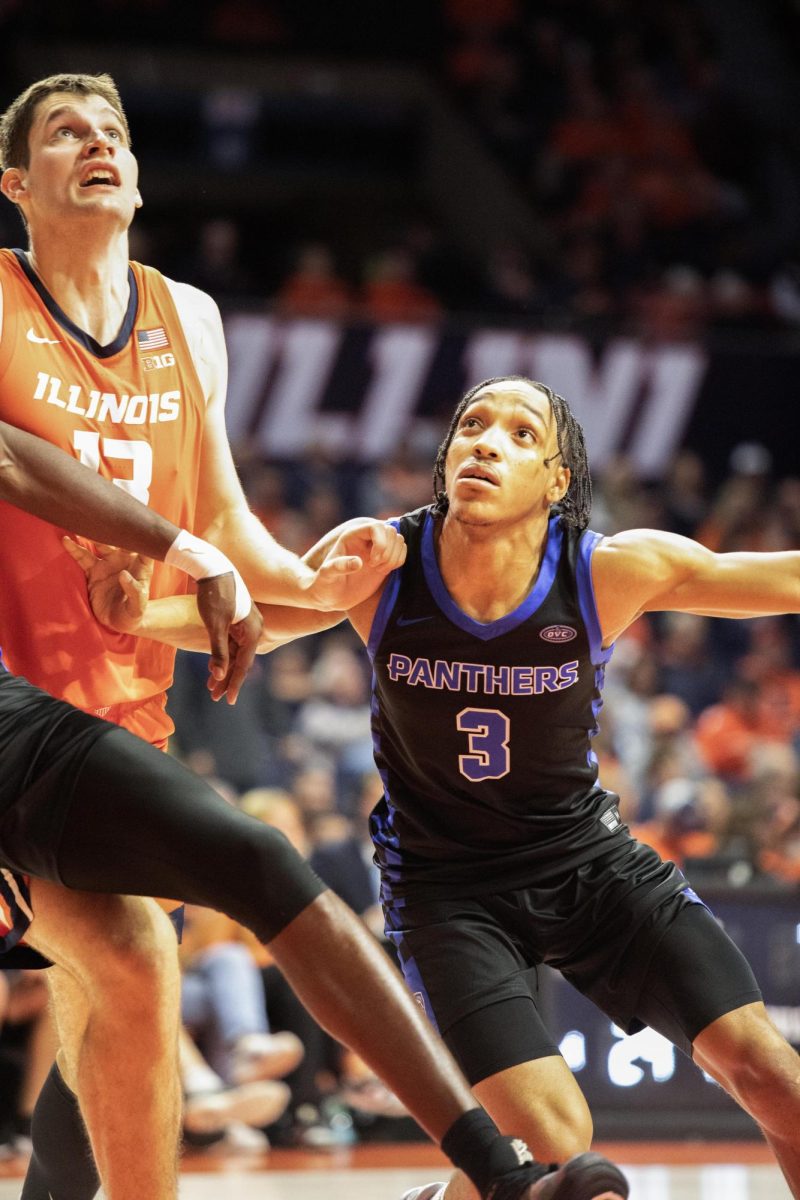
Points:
(486, 446)
(100, 143)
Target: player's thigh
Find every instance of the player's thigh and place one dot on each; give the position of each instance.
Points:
(456, 958)
(697, 977)
(104, 942)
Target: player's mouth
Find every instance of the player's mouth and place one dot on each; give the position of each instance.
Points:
(100, 176)
(477, 473)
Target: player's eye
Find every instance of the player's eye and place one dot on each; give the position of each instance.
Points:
(114, 133)
(525, 433)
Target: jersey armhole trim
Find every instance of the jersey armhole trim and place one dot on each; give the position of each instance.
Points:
(587, 600)
(385, 605)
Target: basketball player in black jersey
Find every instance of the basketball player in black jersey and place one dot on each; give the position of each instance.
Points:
(168, 834)
(498, 846)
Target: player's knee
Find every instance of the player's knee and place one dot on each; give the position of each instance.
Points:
(140, 957)
(564, 1128)
(755, 1062)
(276, 883)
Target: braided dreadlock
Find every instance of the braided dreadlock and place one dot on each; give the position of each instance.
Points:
(575, 506)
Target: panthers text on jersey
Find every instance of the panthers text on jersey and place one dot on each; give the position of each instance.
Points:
(482, 732)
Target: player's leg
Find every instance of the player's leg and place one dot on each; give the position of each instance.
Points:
(701, 993)
(115, 998)
(754, 1063)
(476, 987)
(168, 834)
(731, 1034)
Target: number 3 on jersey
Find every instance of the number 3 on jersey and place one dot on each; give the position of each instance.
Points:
(139, 454)
(489, 731)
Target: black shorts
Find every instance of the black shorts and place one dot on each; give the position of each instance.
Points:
(471, 963)
(43, 746)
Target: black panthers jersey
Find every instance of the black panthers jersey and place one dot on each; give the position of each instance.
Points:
(482, 732)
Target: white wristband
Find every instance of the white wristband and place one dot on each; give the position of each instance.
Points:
(201, 560)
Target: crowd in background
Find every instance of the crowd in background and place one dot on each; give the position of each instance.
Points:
(658, 214)
(663, 197)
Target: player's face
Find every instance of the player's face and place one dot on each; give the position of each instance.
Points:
(503, 463)
(80, 163)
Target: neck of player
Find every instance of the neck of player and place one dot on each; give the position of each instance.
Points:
(489, 569)
(86, 273)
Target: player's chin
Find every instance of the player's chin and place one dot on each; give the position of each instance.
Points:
(475, 515)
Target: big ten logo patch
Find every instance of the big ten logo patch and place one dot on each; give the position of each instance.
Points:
(155, 362)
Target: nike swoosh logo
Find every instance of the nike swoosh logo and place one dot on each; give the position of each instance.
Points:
(412, 620)
(41, 341)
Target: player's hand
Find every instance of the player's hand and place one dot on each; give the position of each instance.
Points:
(118, 583)
(359, 560)
(233, 646)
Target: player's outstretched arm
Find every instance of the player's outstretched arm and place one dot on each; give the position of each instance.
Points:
(273, 574)
(46, 482)
(649, 570)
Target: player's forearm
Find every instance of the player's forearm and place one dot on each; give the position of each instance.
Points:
(743, 584)
(283, 624)
(273, 574)
(46, 482)
(175, 621)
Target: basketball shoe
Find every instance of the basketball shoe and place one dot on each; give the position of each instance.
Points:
(587, 1176)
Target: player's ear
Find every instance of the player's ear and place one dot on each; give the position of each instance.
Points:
(13, 184)
(560, 485)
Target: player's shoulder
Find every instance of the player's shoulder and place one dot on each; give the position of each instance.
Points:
(192, 303)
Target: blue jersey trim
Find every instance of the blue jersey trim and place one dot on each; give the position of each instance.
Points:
(385, 606)
(408, 965)
(586, 599)
(512, 620)
(85, 339)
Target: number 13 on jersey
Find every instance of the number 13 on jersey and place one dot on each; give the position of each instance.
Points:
(139, 454)
(488, 731)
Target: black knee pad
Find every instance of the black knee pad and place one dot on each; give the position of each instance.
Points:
(282, 882)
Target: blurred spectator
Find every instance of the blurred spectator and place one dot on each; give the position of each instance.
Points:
(689, 819)
(223, 1003)
(316, 1119)
(688, 667)
(313, 288)
(727, 732)
(684, 493)
(347, 865)
(337, 720)
(392, 292)
(216, 265)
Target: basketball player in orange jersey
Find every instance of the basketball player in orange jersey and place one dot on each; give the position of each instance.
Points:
(125, 370)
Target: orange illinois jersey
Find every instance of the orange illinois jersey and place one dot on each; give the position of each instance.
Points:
(132, 410)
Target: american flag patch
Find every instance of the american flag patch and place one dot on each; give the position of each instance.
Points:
(152, 339)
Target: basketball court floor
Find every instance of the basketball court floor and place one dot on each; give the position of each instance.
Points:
(661, 1171)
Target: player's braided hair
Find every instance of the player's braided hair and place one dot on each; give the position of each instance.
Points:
(576, 505)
